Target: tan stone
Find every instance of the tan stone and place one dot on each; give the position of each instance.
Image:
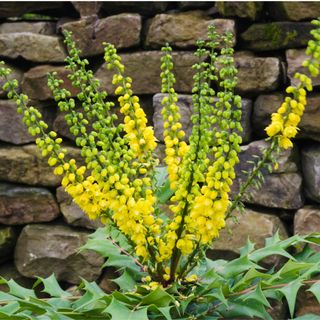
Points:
(87, 8)
(243, 9)
(184, 36)
(42, 27)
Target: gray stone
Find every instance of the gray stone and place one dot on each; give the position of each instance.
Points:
(33, 47)
(16, 73)
(265, 105)
(61, 127)
(45, 249)
(26, 165)
(276, 35)
(161, 26)
(8, 238)
(22, 205)
(149, 81)
(281, 189)
(35, 82)
(186, 110)
(148, 8)
(11, 9)
(87, 8)
(307, 220)
(106, 283)
(9, 271)
(18, 133)
(42, 27)
(72, 213)
(235, 235)
(295, 58)
(257, 74)
(310, 160)
(187, 5)
(122, 30)
(295, 11)
(243, 9)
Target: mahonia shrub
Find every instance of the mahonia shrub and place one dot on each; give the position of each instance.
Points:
(161, 256)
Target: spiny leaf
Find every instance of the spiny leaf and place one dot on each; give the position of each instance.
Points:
(52, 287)
(126, 281)
(18, 291)
(158, 297)
(290, 292)
(256, 295)
(315, 289)
(118, 311)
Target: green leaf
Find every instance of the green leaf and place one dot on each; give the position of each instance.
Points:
(18, 291)
(160, 176)
(52, 287)
(293, 268)
(164, 193)
(248, 248)
(290, 291)
(308, 317)
(118, 311)
(158, 297)
(126, 281)
(164, 311)
(256, 295)
(315, 289)
(218, 294)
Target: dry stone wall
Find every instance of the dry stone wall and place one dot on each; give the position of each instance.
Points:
(41, 228)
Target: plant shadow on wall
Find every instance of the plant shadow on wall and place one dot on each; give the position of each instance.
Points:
(162, 258)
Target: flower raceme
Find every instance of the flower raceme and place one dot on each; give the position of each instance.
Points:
(117, 181)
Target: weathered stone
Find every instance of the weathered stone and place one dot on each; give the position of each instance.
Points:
(144, 7)
(12, 129)
(72, 213)
(34, 83)
(43, 27)
(149, 81)
(295, 11)
(9, 271)
(265, 225)
(186, 110)
(106, 283)
(22, 205)
(244, 9)
(295, 58)
(276, 35)
(257, 74)
(187, 5)
(307, 220)
(61, 127)
(11, 9)
(265, 105)
(122, 30)
(26, 165)
(16, 73)
(45, 249)
(87, 8)
(281, 189)
(307, 304)
(8, 238)
(310, 159)
(161, 26)
(33, 47)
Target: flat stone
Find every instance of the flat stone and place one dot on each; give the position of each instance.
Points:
(18, 134)
(26, 165)
(22, 205)
(8, 238)
(9, 271)
(310, 160)
(281, 189)
(35, 82)
(11, 9)
(295, 58)
(161, 26)
(87, 8)
(266, 104)
(16, 73)
(33, 47)
(186, 111)
(45, 249)
(307, 220)
(235, 235)
(41, 27)
(122, 30)
(276, 35)
(257, 74)
(295, 11)
(72, 214)
(244, 9)
(149, 81)
(148, 8)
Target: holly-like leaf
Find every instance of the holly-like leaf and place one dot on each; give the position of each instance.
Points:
(256, 295)
(18, 291)
(290, 292)
(118, 310)
(158, 297)
(315, 289)
(164, 193)
(126, 281)
(52, 287)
